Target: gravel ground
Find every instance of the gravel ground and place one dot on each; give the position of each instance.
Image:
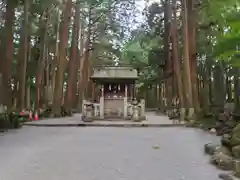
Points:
(95, 153)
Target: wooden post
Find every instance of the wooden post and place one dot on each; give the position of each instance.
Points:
(102, 102)
(93, 90)
(102, 90)
(125, 102)
(126, 90)
(131, 91)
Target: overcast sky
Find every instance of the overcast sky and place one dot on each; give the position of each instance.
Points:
(141, 4)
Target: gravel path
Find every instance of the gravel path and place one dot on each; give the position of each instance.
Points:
(95, 153)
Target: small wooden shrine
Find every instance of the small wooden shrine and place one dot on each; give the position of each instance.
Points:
(116, 87)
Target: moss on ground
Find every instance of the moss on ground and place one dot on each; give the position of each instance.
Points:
(205, 123)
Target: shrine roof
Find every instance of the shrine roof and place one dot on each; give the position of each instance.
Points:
(115, 72)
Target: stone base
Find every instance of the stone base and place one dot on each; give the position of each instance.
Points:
(114, 118)
(227, 176)
(141, 118)
(87, 119)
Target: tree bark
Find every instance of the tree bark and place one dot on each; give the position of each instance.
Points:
(219, 92)
(192, 16)
(81, 59)
(72, 68)
(236, 90)
(61, 61)
(228, 86)
(83, 81)
(41, 60)
(205, 90)
(54, 62)
(167, 53)
(177, 67)
(22, 58)
(7, 49)
(186, 62)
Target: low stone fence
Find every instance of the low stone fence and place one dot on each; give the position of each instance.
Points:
(134, 111)
(226, 156)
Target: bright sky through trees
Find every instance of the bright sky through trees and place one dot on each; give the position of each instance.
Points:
(140, 5)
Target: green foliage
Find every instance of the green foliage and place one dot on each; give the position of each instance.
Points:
(113, 40)
(111, 19)
(10, 121)
(4, 122)
(133, 53)
(144, 50)
(219, 33)
(227, 47)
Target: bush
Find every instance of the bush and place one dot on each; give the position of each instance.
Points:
(4, 122)
(16, 121)
(48, 112)
(10, 121)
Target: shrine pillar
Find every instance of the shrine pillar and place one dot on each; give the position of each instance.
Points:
(126, 90)
(132, 91)
(142, 107)
(102, 103)
(83, 106)
(93, 90)
(125, 102)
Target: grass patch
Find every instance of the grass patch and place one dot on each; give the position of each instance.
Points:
(206, 123)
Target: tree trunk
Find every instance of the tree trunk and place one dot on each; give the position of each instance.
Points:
(205, 95)
(228, 86)
(72, 67)
(219, 93)
(83, 81)
(236, 90)
(167, 53)
(210, 83)
(161, 97)
(75, 81)
(192, 16)
(54, 62)
(1, 95)
(22, 58)
(186, 63)
(41, 60)
(47, 84)
(81, 52)
(177, 68)
(61, 63)
(7, 49)
(28, 95)
(85, 72)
